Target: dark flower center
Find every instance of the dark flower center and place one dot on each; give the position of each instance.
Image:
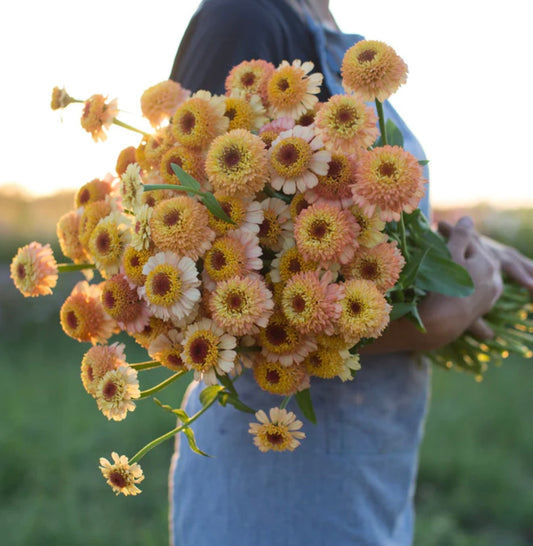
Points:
(218, 260)
(366, 56)
(172, 218)
(109, 390)
(72, 320)
(117, 479)
(248, 79)
(273, 377)
(161, 284)
(283, 85)
(198, 350)
(21, 271)
(231, 157)
(387, 169)
(187, 122)
(298, 303)
(288, 154)
(275, 438)
(276, 334)
(103, 242)
(319, 229)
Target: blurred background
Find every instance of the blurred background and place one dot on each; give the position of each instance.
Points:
(462, 100)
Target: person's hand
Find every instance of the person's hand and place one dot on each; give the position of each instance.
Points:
(447, 318)
(518, 267)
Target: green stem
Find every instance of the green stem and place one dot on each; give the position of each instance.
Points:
(148, 365)
(381, 117)
(130, 127)
(403, 236)
(150, 187)
(252, 349)
(162, 385)
(141, 453)
(62, 268)
(285, 402)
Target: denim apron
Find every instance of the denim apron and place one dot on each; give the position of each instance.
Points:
(352, 479)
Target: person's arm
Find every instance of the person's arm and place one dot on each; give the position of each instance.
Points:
(444, 317)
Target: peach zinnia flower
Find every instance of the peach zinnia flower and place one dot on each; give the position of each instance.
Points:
(381, 264)
(122, 303)
(160, 102)
(34, 270)
(171, 286)
(310, 303)
(167, 349)
(236, 163)
(372, 70)
(346, 124)
(365, 311)
(208, 351)
(281, 342)
(108, 241)
(335, 186)
(68, 235)
(199, 120)
(125, 158)
(296, 158)
(245, 112)
(326, 234)
(291, 91)
(241, 304)
(277, 225)
(92, 213)
(372, 227)
(92, 191)
(232, 255)
(277, 379)
(390, 179)
(116, 391)
(270, 131)
(131, 187)
(133, 261)
(98, 115)
(83, 317)
(328, 363)
(279, 433)
(246, 215)
(120, 475)
(60, 99)
(180, 225)
(289, 262)
(151, 331)
(99, 360)
(251, 77)
(190, 160)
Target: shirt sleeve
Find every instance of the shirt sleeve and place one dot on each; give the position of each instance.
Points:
(224, 33)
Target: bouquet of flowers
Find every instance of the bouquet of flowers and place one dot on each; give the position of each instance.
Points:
(259, 232)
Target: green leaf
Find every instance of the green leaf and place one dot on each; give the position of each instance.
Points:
(209, 394)
(423, 162)
(228, 383)
(192, 442)
(410, 271)
(181, 414)
(444, 276)
(210, 201)
(303, 399)
(394, 135)
(401, 309)
(227, 398)
(185, 178)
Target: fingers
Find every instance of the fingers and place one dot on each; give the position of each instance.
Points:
(519, 273)
(461, 238)
(481, 330)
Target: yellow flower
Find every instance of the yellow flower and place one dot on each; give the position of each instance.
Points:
(160, 102)
(99, 360)
(236, 163)
(120, 475)
(116, 391)
(278, 379)
(60, 99)
(34, 270)
(290, 91)
(279, 433)
(98, 115)
(372, 70)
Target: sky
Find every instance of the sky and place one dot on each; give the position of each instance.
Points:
(465, 98)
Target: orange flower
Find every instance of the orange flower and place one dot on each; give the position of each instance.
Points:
(95, 190)
(237, 163)
(125, 158)
(120, 475)
(160, 102)
(372, 70)
(83, 317)
(279, 433)
(199, 120)
(346, 124)
(251, 77)
(245, 112)
(390, 179)
(34, 270)
(190, 160)
(290, 91)
(98, 116)
(60, 99)
(277, 379)
(180, 225)
(99, 360)
(68, 235)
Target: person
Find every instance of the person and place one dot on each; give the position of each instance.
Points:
(352, 480)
